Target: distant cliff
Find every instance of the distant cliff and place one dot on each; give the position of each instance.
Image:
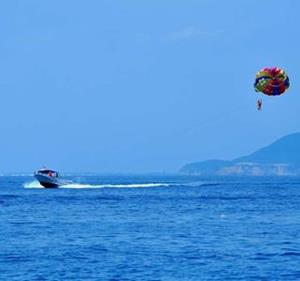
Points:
(281, 158)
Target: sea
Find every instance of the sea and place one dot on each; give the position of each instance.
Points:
(150, 227)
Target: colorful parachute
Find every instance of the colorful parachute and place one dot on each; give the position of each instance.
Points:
(271, 81)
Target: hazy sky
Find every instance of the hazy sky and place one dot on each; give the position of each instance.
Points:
(141, 86)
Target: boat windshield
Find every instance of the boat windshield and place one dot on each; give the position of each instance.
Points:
(48, 172)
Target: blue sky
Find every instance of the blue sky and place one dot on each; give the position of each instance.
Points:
(141, 86)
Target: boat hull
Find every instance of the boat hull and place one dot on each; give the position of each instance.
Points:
(48, 185)
(47, 181)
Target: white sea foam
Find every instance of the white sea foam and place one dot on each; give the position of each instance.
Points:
(33, 184)
(74, 185)
(36, 184)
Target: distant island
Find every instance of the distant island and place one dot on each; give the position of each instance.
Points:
(281, 158)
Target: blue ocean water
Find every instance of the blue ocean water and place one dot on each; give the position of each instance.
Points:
(150, 228)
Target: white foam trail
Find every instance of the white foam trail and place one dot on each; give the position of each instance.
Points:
(78, 186)
(137, 185)
(35, 184)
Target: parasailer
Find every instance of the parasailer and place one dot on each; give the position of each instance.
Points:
(271, 81)
(259, 104)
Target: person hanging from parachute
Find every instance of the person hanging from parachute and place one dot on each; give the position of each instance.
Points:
(259, 104)
(271, 81)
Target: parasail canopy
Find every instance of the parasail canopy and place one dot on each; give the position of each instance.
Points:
(271, 81)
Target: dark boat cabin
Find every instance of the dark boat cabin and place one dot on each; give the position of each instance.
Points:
(48, 172)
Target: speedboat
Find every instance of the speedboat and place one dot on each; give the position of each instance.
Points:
(49, 178)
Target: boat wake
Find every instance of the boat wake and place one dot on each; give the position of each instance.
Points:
(36, 184)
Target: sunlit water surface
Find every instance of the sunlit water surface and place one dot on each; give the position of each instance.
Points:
(150, 228)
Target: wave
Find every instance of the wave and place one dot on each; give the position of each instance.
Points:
(199, 184)
(36, 184)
